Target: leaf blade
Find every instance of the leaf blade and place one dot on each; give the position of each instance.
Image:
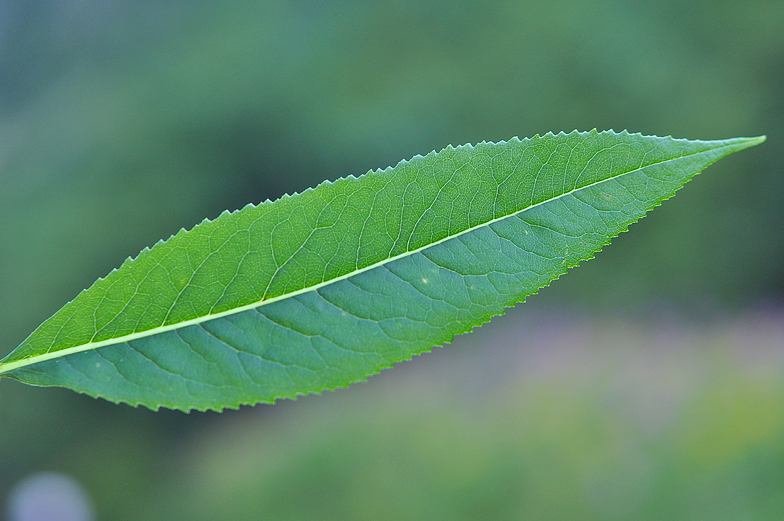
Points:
(411, 237)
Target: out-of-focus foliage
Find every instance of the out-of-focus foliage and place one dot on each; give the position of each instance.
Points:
(121, 122)
(593, 421)
(640, 430)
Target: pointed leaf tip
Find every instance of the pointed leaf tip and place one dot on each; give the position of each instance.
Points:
(323, 288)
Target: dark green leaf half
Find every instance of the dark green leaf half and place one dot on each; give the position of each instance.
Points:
(320, 289)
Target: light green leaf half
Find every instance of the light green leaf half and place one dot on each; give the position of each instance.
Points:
(320, 289)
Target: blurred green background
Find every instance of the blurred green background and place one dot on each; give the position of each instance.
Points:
(647, 384)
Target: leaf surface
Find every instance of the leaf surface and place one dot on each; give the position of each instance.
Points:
(320, 289)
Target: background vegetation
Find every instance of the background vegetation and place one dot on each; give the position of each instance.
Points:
(646, 384)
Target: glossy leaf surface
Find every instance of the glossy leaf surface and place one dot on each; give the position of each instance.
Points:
(320, 289)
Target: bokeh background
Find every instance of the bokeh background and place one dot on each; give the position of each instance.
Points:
(647, 384)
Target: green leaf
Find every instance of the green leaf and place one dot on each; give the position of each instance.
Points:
(320, 289)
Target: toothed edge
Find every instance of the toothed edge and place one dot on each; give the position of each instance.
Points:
(749, 141)
(379, 171)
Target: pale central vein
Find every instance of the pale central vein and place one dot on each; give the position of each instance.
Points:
(4, 368)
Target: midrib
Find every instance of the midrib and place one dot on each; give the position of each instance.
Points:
(5, 368)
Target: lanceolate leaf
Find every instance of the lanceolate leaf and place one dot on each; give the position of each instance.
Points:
(320, 289)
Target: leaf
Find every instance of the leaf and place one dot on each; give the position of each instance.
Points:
(323, 288)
